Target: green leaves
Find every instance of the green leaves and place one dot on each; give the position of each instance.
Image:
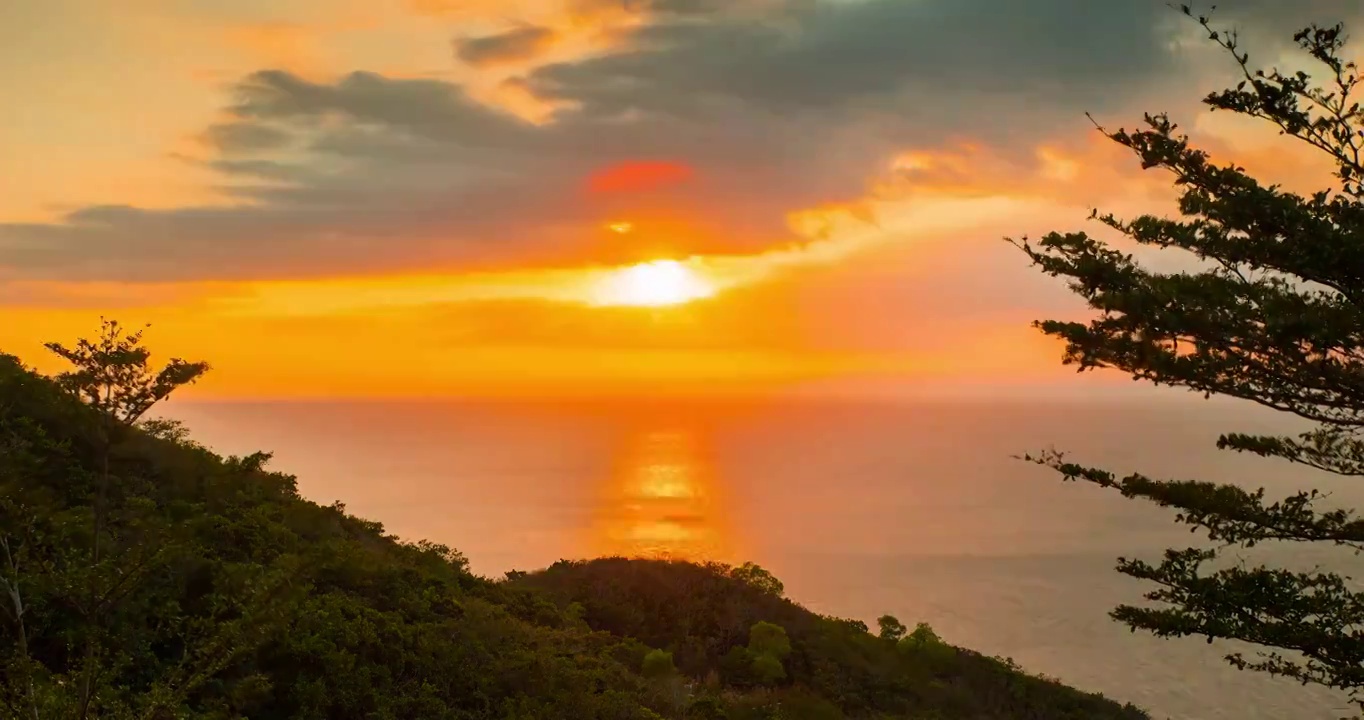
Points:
(1271, 312)
(658, 664)
(750, 648)
(1316, 616)
(1225, 513)
(766, 638)
(219, 594)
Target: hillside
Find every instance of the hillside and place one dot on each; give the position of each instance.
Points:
(705, 615)
(208, 588)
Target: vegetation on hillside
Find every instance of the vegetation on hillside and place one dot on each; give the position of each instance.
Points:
(143, 576)
(733, 635)
(1273, 314)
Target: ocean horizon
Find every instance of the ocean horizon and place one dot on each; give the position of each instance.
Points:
(917, 508)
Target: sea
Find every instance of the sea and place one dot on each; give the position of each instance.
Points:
(915, 507)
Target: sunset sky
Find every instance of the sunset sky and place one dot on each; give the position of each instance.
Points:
(452, 197)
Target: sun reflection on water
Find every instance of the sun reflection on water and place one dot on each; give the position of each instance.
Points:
(662, 500)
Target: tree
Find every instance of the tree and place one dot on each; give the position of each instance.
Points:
(111, 375)
(922, 636)
(766, 638)
(891, 628)
(93, 566)
(767, 669)
(1273, 314)
(706, 708)
(754, 575)
(669, 689)
(767, 646)
(658, 664)
(924, 641)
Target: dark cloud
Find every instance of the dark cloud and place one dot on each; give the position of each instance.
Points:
(433, 109)
(775, 105)
(877, 53)
(766, 10)
(516, 45)
(239, 137)
(689, 7)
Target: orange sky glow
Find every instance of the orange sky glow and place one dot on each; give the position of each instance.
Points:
(289, 202)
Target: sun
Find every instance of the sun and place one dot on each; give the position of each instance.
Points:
(652, 284)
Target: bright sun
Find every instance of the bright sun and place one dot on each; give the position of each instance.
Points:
(652, 284)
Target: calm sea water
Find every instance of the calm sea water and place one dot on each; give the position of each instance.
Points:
(914, 508)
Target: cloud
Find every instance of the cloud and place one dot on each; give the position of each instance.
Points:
(512, 46)
(774, 105)
(244, 138)
(949, 63)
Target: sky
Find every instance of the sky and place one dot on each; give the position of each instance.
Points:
(532, 197)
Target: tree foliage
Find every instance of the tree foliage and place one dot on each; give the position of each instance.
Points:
(221, 594)
(766, 638)
(658, 664)
(218, 593)
(756, 576)
(98, 555)
(112, 374)
(768, 645)
(891, 628)
(715, 623)
(1272, 315)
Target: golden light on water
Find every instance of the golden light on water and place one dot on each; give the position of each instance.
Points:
(663, 501)
(652, 284)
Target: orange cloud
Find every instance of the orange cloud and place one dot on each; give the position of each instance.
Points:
(590, 23)
(1098, 172)
(1267, 156)
(638, 176)
(1073, 173)
(514, 96)
(524, 331)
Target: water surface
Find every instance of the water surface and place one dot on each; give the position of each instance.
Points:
(917, 509)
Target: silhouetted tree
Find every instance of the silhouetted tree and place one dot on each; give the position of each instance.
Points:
(925, 641)
(754, 575)
(891, 628)
(1273, 314)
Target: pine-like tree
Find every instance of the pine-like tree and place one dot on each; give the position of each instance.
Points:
(1274, 315)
